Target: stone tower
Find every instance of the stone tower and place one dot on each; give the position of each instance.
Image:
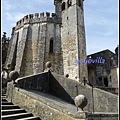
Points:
(73, 38)
(36, 40)
(58, 37)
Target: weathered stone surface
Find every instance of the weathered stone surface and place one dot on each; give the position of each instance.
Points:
(12, 48)
(98, 100)
(20, 48)
(80, 115)
(35, 103)
(106, 73)
(34, 35)
(39, 106)
(65, 88)
(39, 82)
(103, 116)
(29, 52)
(73, 40)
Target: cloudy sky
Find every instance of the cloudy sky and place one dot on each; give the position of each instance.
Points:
(101, 20)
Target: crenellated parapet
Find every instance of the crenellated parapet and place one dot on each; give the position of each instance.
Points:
(38, 18)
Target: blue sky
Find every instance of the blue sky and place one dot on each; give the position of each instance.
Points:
(100, 16)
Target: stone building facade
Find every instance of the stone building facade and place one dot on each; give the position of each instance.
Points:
(104, 71)
(59, 38)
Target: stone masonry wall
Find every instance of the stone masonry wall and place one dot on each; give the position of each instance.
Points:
(69, 47)
(39, 82)
(20, 48)
(65, 88)
(103, 116)
(81, 41)
(32, 102)
(53, 32)
(12, 49)
(73, 40)
(34, 42)
(57, 62)
(114, 76)
(36, 106)
(98, 100)
(103, 70)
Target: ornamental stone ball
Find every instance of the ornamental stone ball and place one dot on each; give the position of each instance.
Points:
(48, 64)
(13, 75)
(80, 101)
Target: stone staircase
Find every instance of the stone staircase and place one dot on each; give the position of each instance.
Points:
(13, 112)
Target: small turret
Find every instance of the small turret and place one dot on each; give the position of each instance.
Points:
(58, 7)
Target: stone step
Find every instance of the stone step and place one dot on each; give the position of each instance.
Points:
(6, 107)
(3, 91)
(30, 118)
(3, 96)
(6, 103)
(4, 100)
(16, 116)
(12, 111)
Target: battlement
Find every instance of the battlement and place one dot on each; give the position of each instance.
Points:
(38, 18)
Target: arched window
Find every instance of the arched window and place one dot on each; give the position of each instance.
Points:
(69, 3)
(63, 6)
(80, 3)
(51, 45)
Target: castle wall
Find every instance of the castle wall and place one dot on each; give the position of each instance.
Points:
(34, 43)
(53, 31)
(12, 49)
(20, 47)
(67, 33)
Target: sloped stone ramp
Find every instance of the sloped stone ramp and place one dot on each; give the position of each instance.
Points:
(12, 112)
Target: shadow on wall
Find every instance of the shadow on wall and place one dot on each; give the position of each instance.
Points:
(56, 89)
(64, 88)
(37, 82)
(44, 82)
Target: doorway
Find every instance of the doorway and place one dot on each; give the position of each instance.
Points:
(105, 81)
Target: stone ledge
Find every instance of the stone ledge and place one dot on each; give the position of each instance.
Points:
(50, 100)
(105, 114)
(41, 104)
